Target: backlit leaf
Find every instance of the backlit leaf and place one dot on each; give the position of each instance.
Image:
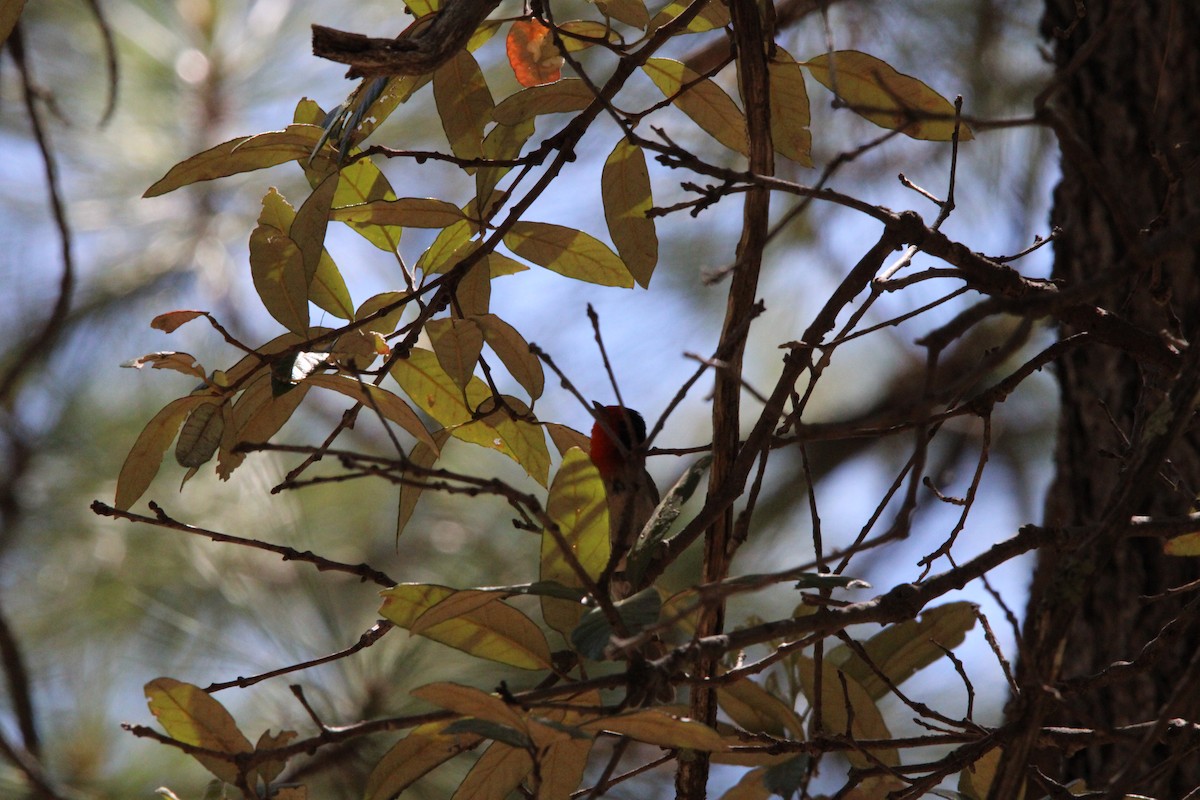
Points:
(457, 344)
(593, 633)
(579, 506)
(409, 212)
(562, 97)
(461, 602)
(502, 143)
(474, 294)
(270, 770)
(531, 53)
(890, 99)
(496, 632)
(704, 102)
(145, 457)
(1185, 545)
(257, 416)
(568, 252)
(514, 352)
(497, 773)
(631, 12)
(756, 710)
(420, 456)
(789, 109)
(191, 716)
(425, 748)
(440, 255)
(575, 34)
(625, 188)
(277, 266)
(170, 321)
(713, 16)
(392, 408)
(860, 714)
(658, 727)
(464, 104)
(470, 702)
(244, 154)
(308, 227)
(168, 359)
(428, 385)
(10, 12)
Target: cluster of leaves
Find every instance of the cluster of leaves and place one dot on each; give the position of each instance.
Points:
(542, 739)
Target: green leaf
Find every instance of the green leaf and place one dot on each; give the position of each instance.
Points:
(440, 255)
(244, 154)
(193, 717)
(754, 709)
(786, 779)
(464, 104)
(789, 109)
(421, 456)
(579, 507)
(497, 773)
(568, 252)
(569, 94)
(703, 101)
(409, 212)
(625, 188)
(145, 457)
(593, 633)
(902, 649)
(890, 99)
(495, 632)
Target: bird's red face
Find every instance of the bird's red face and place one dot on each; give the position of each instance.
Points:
(630, 430)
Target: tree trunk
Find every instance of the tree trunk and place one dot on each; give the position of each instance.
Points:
(1126, 107)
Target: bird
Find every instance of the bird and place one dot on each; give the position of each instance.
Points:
(618, 435)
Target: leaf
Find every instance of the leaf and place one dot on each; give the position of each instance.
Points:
(900, 650)
(1186, 545)
(653, 726)
(497, 773)
(565, 438)
(975, 782)
(522, 441)
(579, 506)
(561, 767)
(470, 702)
(575, 34)
(503, 142)
(169, 359)
(789, 109)
(421, 456)
(664, 516)
(425, 748)
(277, 266)
(328, 291)
(568, 252)
(257, 416)
(457, 344)
(713, 16)
(703, 101)
(756, 710)
(392, 408)
(531, 53)
(631, 12)
(307, 229)
(440, 255)
(562, 97)
(496, 632)
(193, 717)
(145, 457)
(461, 602)
(625, 188)
(244, 154)
(10, 12)
(464, 104)
(270, 770)
(513, 351)
(409, 212)
(890, 99)
(474, 296)
(172, 320)
(362, 183)
(593, 633)
(867, 721)
(750, 787)
(201, 434)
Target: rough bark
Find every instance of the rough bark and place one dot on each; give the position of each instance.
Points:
(1126, 107)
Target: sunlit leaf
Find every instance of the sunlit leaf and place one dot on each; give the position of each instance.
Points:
(463, 601)
(653, 726)
(851, 707)
(579, 506)
(521, 440)
(514, 352)
(1185, 545)
(191, 716)
(308, 227)
(379, 400)
(270, 770)
(631, 12)
(425, 748)
(704, 102)
(168, 359)
(422, 456)
(890, 99)
(457, 344)
(495, 632)
(170, 321)
(713, 16)
(440, 255)
(568, 252)
(145, 457)
(789, 109)
(428, 385)
(531, 53)
(409, 212)
(277, 266)
(244, 154)
(571, 94)
(625, 188)
(575, 34)
(464, 104)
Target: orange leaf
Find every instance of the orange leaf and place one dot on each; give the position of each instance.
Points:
(531, 52)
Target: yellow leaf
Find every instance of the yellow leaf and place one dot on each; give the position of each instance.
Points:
(665, 730)
(410, 212)
(890, 99)
(1186, 545)
(434, 392)
(579, 507)
(456, 605)
(713, 16)
(191, 716)
(625, 188)
(277, 266)
(570, 94)
(457, 344)
(145, 457)
(568, 252)
(867, 722)
(268, 741)
(496, 632)
(513, 350)
(474, 296)
(464, 104)
(425, 748)
(503, 142)
(561, 767)
(243, 154)
(376, 399)
(789, 109)
(441, 254)
(497, 773)
(583, 30)
(524, 442)
(703, 101)
(308, 227)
